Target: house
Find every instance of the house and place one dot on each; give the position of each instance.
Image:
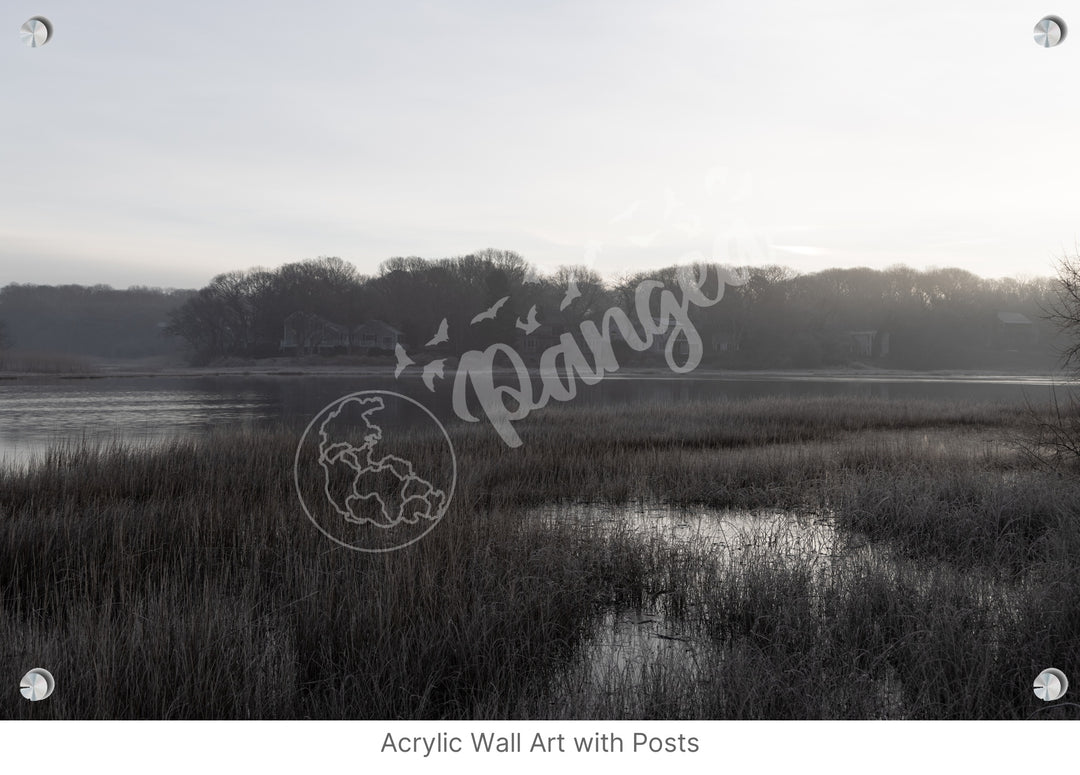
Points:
(532, 345)
(377, 335)
(868, 344)
(1013, 331)
(723, 343)
(307, 333)
(658, 344)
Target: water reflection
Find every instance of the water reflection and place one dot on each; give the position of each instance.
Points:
(627, 641)
(37, 412)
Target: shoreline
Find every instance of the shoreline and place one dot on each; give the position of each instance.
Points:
(839, 374)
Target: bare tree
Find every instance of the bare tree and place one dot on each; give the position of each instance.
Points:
(1052, 434)
(1064, 310)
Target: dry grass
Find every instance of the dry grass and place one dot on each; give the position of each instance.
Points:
(185, 582)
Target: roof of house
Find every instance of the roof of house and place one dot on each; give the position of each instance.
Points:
(1014, 319)
(300, 314)
(542, 329)
(378, 325)
(312, 319)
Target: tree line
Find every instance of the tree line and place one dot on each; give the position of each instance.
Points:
(938, 318)
(90, 321)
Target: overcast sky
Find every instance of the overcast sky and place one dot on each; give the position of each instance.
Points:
(158, 143)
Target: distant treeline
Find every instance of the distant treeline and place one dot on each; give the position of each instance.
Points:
(95, 321)
(936, 319)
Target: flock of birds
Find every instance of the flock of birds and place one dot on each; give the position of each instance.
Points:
(436, 368)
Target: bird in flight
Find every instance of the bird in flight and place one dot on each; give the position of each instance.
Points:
(572, 293)
(433, 370)
(403, 360)
(441, 335)
(492, 311)
(531, 323)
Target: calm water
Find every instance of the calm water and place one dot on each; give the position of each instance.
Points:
(628, 645)
(38, 412)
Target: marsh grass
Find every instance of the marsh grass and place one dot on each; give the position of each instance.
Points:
(183, 581)
(188, 576)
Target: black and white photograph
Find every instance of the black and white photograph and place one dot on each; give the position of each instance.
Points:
(539, 363)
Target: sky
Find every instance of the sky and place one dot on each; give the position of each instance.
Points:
(153, 143)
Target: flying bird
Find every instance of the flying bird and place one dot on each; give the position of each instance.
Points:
(440, 336)
(433, 370)
(572, 293)
(491, 312)
(403, 360)
(531, 324)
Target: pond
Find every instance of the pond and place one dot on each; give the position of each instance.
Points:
(666, 644)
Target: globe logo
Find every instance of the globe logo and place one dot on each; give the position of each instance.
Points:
(375, 471)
